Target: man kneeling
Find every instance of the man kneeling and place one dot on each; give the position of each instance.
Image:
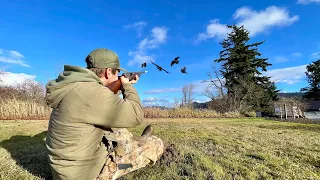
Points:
(87, 136)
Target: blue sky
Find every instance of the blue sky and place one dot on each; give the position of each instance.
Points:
(39, 37)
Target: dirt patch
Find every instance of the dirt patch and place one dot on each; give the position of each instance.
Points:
(170, 155)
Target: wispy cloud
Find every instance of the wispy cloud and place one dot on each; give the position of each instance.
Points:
(256, 22)
(289, 75)
(12, 79)
(158, 37)
(297, 54)
(168, 102)
(138, 26)
(213, 30)
(153, 101)
(164, 90)
(280, 59)
(307, 1)
(12, 57)
(315, 55)
(198, 89)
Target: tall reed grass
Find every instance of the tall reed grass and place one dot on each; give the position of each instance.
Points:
(13, 109)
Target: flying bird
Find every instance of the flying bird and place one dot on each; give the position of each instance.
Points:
(175, 61)
(183, 70)
(143, 65)
(160, 68)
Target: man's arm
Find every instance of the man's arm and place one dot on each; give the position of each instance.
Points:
(109, 110)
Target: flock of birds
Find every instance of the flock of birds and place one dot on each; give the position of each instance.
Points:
(174, 61)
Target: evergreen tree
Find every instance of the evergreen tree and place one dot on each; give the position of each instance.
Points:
(241, 68)
(312, 92)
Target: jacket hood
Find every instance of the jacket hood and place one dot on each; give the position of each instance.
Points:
(58, 88)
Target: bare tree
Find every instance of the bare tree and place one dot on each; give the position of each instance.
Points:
(184, 95)
(216, 88)
(187, 95)
(235, 99)
(190, 95)
(176, 103)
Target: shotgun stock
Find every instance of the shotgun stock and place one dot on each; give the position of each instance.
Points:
(115, 86)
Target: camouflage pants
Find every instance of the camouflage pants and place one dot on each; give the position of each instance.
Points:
(131, 153)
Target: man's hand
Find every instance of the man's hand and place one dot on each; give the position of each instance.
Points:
(134, 81)
(126, 80)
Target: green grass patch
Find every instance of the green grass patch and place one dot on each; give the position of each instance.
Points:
(247, 148)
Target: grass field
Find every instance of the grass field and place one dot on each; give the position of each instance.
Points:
(200, 149)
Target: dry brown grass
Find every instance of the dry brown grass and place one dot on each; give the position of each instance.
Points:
(187, 113)
(19, 109)
(12, 109)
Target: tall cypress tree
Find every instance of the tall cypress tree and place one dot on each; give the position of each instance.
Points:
(312, 92)
(241, 67)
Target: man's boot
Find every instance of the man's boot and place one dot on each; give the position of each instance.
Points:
(146, 132)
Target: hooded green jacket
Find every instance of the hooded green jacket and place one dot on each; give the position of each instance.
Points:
(81, 104)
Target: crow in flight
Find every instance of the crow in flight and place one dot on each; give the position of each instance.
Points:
(143, 65)
(160, 68)
(175, 61)
(183, 70)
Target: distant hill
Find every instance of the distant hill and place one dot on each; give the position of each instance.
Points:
(290, 95)
(197, 105)
(160, 107)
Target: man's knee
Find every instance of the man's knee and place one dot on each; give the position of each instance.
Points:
(154, 147)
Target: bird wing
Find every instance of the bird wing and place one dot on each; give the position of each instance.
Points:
(155, 64)
(159, 67)
(166, 71)
(172, 62)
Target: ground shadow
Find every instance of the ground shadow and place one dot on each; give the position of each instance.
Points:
(30, 153)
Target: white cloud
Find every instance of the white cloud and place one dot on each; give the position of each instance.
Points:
(168, 102)
(153, 101)
(138, 26)
(164, 90)
(16, 54)
(258, 22)
(198, 89)
(158, 37)
(202, 100)
(255, 21)
(307, 1)
(12, 79)
(214, 30)
(289, 75)
(315, 55)
(297, 54)
(280, 59)
(12, 57)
